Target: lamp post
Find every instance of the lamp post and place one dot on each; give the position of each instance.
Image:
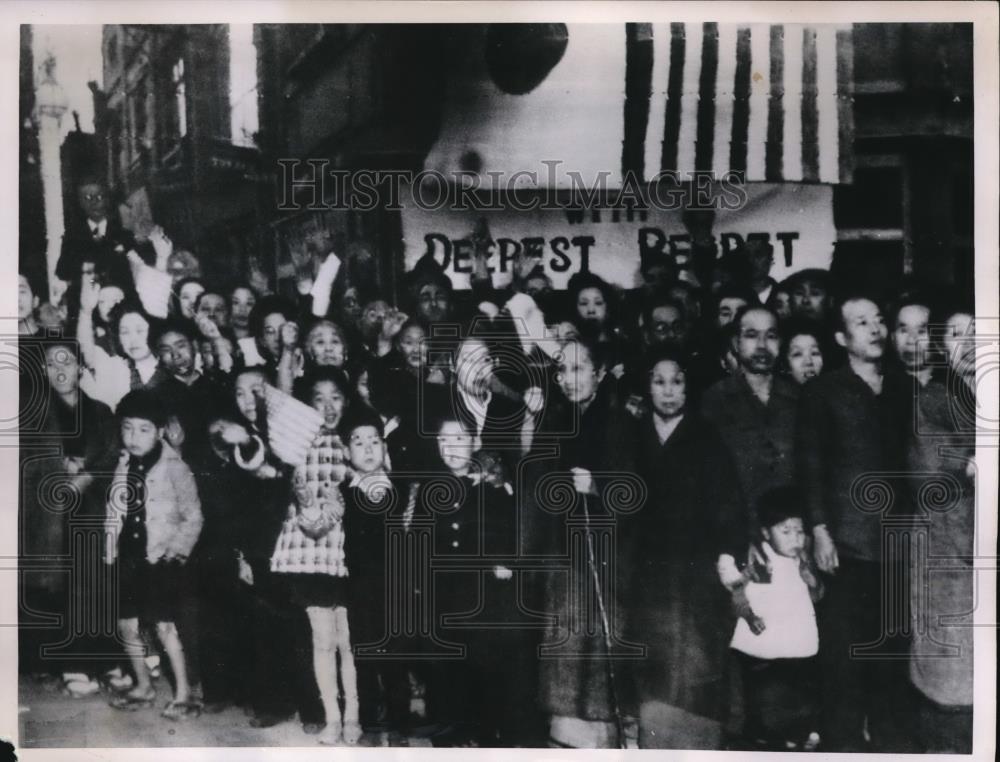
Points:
(50, 106)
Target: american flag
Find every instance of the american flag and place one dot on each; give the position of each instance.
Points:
(292, 426)
(773, 101)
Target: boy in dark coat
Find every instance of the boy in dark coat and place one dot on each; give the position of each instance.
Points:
(481, 697)
(371, 505)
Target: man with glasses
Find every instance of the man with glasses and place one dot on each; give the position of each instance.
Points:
(96, 246)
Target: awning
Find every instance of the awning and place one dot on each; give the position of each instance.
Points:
(772, 101)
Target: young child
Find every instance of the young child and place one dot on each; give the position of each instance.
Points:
(153, 520)
(281, 679)
(309, 554)
(776, 636)
(476, 698)
(370, 501)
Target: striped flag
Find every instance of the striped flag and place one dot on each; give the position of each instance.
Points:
(292, 426)
(770, 100)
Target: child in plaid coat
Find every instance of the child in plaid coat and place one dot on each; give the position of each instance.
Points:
(309, 553)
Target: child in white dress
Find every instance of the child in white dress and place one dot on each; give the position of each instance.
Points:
(776, 637)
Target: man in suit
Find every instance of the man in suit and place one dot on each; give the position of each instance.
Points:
(96, 247)
(502, 418)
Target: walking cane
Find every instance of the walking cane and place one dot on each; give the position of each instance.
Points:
(605, 627)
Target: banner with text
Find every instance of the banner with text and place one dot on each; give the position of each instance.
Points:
(796, 219)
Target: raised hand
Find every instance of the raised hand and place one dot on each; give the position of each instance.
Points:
(162, 245)
(174, 432)
(583, 480)
(392, 323)
(534, 399)
(73, 465)
(207, 327)
(289, 335)
(89, 291)
(245, 573)
(231, 433)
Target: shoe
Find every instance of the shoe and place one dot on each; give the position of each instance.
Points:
(266, 720)
(352, 733)
(77, 685)
(313, 728)
(130, 702)
(182, 710)
(330, 735)
(116, 681)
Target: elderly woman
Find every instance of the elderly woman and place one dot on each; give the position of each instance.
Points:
(583, 446)
(943, 601)
(691, 526)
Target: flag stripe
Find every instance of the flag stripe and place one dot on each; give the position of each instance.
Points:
(688, 133)
(655, 128)
(770, 101)
(724, 94)
(638, 83)
(792, 104)
(810, 116)
(760, 87)
(706, 97)
(741, 103)
(826, 98)
(845, 103)
(775, 112)
(675, 84)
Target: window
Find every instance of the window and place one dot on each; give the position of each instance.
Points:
(871, 219)
(180, 98)
(244, 122)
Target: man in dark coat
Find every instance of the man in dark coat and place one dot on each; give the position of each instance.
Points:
(96, 245)
(852, 429)
(71, 444)
(754, 409)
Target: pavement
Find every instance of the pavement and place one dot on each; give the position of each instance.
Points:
(49, 719)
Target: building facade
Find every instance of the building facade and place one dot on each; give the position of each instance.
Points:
(180, 129)
(373, 96)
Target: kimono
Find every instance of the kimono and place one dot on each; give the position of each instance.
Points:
(678, 608)
(574, 677)
(59, 528)
(88, 431)
(943, 600)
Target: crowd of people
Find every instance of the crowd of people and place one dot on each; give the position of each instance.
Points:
(659, 515)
